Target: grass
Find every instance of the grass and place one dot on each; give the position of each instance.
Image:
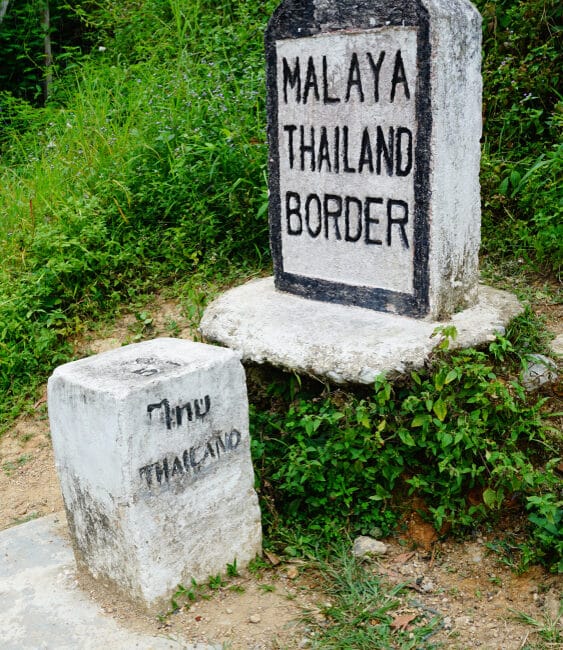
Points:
(548, 629)
(366, 613)
(11, 466)
(137, 174)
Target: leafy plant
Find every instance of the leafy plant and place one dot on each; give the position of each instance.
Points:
(185, 596)
(546, 518)
(147, 166)
(232, 570)
(458, 436)
(522, 131)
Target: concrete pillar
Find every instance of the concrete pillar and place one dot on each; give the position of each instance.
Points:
(153, 453)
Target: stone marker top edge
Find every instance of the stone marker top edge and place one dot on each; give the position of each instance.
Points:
(138, 365)
(302, 18)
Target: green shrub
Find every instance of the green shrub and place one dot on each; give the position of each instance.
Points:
(22, 33)
(332, 463)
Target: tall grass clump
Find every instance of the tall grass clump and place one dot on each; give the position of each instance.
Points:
(146, 165)
(522, 153)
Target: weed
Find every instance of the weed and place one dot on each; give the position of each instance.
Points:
(173, 328)
(143, 326)
(184, 596)
(267, 588)
(361, 611)
(11, 466)
(215, 582)
(256, 566)
(548, 629)
(232, 570)
(546, 519)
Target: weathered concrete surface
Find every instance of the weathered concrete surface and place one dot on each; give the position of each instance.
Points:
(341, 343)
(152, 449)
(41, 606)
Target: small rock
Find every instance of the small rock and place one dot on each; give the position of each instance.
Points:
(541, 370)
(447, 622)
(254, 618)
(366, 546)
(557, 346)
(426, 585)
(292, 572)
(229, 610)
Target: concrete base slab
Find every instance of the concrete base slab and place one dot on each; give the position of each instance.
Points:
(41, 605)
(340, 343)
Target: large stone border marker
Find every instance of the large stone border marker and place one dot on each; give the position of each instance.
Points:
(374, 110)
(152, 449)
(374, 122)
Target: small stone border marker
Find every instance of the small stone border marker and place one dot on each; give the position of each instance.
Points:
(152, 450)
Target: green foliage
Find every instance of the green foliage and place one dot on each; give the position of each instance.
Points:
(521, 170)
(332, 463)
(137, 173)
(546, 518)
(185, 596)
(232, 570)
(22, 59)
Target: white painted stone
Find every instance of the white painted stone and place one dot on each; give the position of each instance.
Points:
(324, 256)
(366, 546)
(455, 231)
(352, 86)
(153, 453)
(341, 343)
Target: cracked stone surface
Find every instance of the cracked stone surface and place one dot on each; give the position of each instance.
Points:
(340, 343)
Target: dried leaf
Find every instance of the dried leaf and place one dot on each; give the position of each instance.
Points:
(402, 621)
(273, 559)
(403, 557)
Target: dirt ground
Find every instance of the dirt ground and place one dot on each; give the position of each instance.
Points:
(475, 595)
